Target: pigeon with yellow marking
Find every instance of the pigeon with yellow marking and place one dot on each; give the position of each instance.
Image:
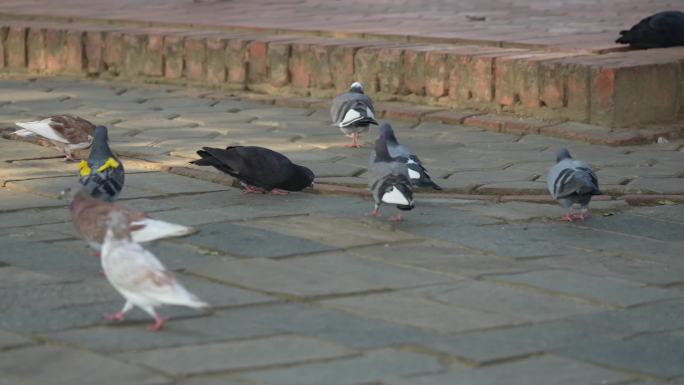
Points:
(102, 175)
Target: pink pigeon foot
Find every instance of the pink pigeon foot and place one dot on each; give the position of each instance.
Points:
(581, 216)
(354, 143)
(118, 316)
(375, 213)
(276, 191)
(158, 324)
(396, 218)
(567, 217)
(252, 189)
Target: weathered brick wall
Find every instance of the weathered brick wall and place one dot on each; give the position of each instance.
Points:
(617, 89)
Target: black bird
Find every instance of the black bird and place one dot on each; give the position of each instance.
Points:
(664, 29)
(258, 169)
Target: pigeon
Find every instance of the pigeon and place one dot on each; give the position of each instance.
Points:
(138, 275)
(661, 30)
(389, 181)
(571, 181)
(417, 173)
(67, 132)
(89, 216)
(257, 168)
(353, 112)
(103, 173)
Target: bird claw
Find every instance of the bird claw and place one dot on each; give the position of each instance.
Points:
(567, 217)
(352, 145)
(158, 324)
(374, 213)
(396, 218)
(118, 316)
(252, 190)
(276, 191)
(581, 216)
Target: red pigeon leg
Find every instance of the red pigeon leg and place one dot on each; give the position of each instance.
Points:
(158, 323)
(118, 316)
(375, 213)
(276, 191)
(354, 143)
(249, 189)
(397, 218)
(583, 215)
(567, 217)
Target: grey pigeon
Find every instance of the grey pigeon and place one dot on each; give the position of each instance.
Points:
(257, 168)
(572, 182)
(89, 216)
(353, 112)
(389, 182)
(67, 132)
(103, 174)
(417, 173)
(661, 30)
(138, 275)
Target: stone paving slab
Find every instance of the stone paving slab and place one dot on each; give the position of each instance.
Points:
(306, 288)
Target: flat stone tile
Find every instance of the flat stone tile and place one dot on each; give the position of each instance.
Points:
(16, 276)
(459, 262)
(163, 183)
(594, 288)
(656, 186)
(15, 200)
(49, 258)
(29, 217)
(426, 314)
(639, 226)
(652, 318)
(240, 240)
(60, 365)
(516, 302)
(246, 354)
(11, 340)
(330, 230)
(316, 275)
(494, 345)
(659, 356)
(549, 370)
(371, 367)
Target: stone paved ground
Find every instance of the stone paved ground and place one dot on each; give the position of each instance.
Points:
(306, 289)
(566, 25)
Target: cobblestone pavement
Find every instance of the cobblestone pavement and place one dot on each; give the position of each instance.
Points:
(306, 289)
(563, 24)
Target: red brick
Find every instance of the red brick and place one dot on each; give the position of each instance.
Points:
(517, 81)
(403, 111)
(391, 70)
(257, 61)
(436, 74)
(3, 36)
(216, 60)
(154, 55)
(278, 64)
(343, 66)
(602, 95)
(236, 60)
(321, 75)
(113, 51)
(94, 52)
(173, 56)
(35, 49)
(74, 55)
(484, 121)
(302, 63)
(134, 44)
(414, 71)
(54, 50)
(195, 57)
(366, 69)
(577, 93)
(15, 47)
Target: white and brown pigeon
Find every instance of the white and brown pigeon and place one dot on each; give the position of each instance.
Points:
(138, 275)
(89, 216)
(572, 182)
(353, 113)
(66, 132)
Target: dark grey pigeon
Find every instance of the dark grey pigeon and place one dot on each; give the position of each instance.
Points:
(661, 30)
(102, 175)
(258, 169)
(416, 172)
(572, 182)
(389, 182)
(353, 113)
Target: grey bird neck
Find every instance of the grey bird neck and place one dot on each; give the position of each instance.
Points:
(381, 152)
(387, 133)
(100, 143)
(562, 154)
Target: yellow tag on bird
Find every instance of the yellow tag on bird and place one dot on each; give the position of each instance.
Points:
(83, 168)
(111, 162)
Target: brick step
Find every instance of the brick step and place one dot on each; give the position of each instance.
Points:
(621, 89)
